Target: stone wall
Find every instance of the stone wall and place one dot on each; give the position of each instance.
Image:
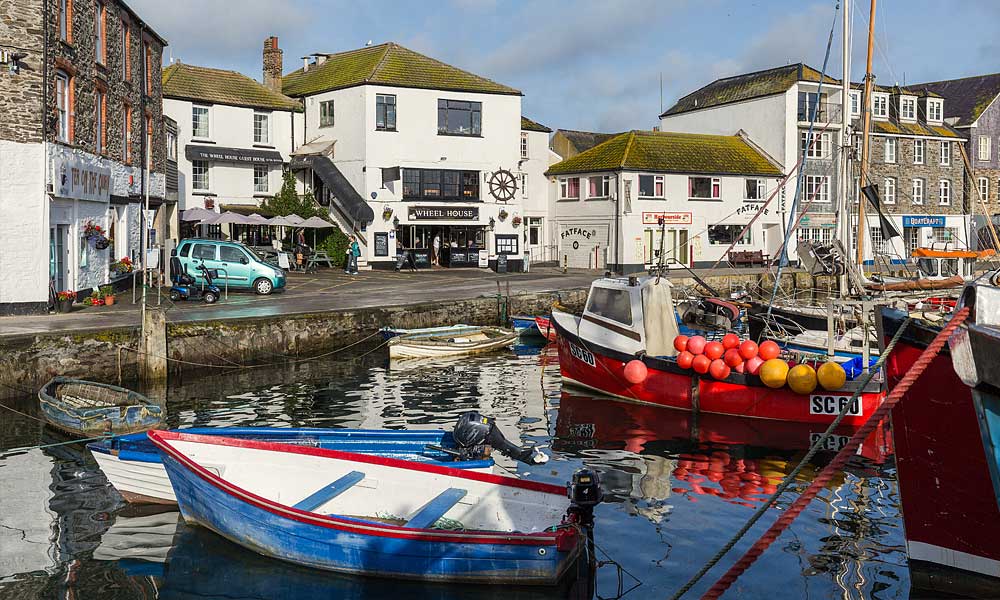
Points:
(905, 172)
(21, 93)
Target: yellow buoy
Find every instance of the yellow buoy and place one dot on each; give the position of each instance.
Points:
(802, 379)
(773, 373)
(831, 376)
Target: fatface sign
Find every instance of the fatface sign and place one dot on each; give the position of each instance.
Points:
(678, 218)
(443, 213)
(77, 179)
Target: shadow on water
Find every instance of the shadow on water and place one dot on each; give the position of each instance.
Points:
(677, 488)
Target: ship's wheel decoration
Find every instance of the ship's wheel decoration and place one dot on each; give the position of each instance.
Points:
(503, 185)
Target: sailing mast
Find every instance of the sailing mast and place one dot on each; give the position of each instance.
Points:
(843, 212)
(866, 124)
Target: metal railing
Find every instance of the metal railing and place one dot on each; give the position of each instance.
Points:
(826, 112)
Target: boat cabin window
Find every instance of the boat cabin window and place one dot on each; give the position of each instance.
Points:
(949, 267)
(611, 304)
(927, 266)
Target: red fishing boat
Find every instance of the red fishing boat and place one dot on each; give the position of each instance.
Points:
(945, 451)
(544, 325)
(633, 319)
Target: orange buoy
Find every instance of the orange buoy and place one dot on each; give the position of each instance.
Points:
(732, 357)
(769, 350)
(701, 363)
(730, 340)
(684, 360)
(714, 350)
(635, 371)
(719, 369)
(753, 365)
(696, 344)
(774, 373)
(748, 349)
(681, 343)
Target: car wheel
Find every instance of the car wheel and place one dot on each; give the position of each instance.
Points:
(210, 298)
(175, 296)
(263, 286)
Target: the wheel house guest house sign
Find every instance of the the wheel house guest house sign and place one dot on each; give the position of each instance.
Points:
(236, 155)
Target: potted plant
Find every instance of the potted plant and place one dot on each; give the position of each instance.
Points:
(108, 293)
(122, 266)
(94, 299)
(516, 221)
(64, 301)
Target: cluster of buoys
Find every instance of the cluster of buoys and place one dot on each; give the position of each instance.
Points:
(720, 359)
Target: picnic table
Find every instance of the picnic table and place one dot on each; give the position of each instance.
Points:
(317, 257)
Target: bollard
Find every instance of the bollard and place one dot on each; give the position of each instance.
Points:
(153, 346)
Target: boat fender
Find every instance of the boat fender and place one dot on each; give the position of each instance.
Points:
(635, 371)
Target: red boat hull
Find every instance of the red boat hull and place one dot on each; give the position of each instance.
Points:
(544, 325)
(670, 386)
(950, 512)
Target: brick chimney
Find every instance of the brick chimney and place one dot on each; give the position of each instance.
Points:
(272, 64)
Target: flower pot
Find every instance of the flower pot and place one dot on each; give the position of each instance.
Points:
(109, 300)
(64, 306)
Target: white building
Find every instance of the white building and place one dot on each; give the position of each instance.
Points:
(706, 188)
(536, 158)
(234, 135)
(402, 146)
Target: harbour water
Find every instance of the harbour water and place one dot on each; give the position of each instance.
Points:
(676, 489)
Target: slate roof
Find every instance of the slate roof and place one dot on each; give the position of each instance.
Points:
(893, 126)
(529, 125)
(668, 152)
(965, 98)
(218, 86)
(747, 86)
(386, 64)
(585, 140)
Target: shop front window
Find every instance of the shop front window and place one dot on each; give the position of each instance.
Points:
(435, 184)
(727, 234)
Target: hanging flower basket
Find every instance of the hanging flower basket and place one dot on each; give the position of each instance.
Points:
(503, 215)
(516, 221)
(386, 214)
(95, 235)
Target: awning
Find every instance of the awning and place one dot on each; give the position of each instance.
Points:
(346, 199)
(236, 155)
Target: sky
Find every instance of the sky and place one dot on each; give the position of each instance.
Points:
(594, 65)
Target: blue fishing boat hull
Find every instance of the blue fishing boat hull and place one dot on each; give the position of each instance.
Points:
(96, 408)
(356, 546)
(525, 326)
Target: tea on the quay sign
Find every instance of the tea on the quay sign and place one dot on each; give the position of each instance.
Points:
(443, 213)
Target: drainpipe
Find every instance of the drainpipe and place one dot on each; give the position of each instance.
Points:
(618, 220)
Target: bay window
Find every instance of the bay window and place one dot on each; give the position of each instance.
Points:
(459, 117)
(704, 188)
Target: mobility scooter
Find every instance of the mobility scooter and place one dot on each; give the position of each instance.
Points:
(184, 285)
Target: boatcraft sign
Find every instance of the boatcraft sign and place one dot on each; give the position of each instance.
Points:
(444, 213)
(922, 221)
(669, 218)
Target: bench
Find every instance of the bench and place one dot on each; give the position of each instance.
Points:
(748, 258)
(329, 492)
(435, 509)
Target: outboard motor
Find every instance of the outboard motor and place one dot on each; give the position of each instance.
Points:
(584, 493)
(477, 435)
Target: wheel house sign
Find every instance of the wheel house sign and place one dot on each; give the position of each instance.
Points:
(443, 213)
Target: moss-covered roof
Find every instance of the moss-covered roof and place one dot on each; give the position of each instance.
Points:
(966, 98)
(529, 125)
(667, 152)
(899, 128)
(386, 64)
(218, 86)
(747, 86)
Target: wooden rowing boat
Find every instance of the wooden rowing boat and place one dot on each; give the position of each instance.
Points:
(430, 345)
(88, 409)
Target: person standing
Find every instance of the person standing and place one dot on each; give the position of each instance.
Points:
(347, 256)
(437, 249)
(355, 254)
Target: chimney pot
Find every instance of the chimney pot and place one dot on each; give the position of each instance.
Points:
(272, 62)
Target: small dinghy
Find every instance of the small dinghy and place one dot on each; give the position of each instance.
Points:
(354, 513)
(391, 332)
(429, 345)
(525, 326)
(89, 409)
(545, 328)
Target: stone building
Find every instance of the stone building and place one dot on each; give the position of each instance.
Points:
(80, 113)
(973, 109)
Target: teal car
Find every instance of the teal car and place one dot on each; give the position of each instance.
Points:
(236, 264)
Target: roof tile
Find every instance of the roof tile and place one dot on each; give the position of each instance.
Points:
(219, 86)
(965, 98)
(529, 125)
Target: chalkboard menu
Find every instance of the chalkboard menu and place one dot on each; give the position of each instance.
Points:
(381, 244)
(501, 263)
(422, 258)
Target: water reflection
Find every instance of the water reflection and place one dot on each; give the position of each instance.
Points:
(677, 487)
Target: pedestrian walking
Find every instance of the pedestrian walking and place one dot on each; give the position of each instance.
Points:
(355, 249)
(347, 256)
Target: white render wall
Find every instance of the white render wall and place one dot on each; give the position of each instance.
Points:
(24, 228)
(229, 127)
(764, 120)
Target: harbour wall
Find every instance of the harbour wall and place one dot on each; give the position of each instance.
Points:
(112, 355)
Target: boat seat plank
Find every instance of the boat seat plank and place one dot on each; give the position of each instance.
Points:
(329, 492)
(436, 508)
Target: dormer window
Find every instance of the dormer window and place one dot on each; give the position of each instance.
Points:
(907, 108)
(935, 110)
(880, 105)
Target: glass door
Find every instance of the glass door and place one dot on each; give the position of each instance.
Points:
(58, 255)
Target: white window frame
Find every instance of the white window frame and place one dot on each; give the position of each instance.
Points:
(64, 106)
(196, 109)
(880, 105)
(820, 147)
(944, 192)
(524, 145)
(658, 182)
(327, 116)
(261, 133)
(761, 189)
(818, 188)
(983, 150)
(715, 190)
(891, 157)
(261, 184)
(919, 191)
(945, 159)
(564, 188)
(878, 240)
(100, 33)
(855, 105)
(889, 191)
(201, 175)
(605, 184)
(935, 110)
(907, 108)
(524, 184)
(919, 151)
(984, 188)
(945, 235)
(171, 146)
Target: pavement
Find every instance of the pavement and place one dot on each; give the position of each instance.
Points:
(308, 293)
